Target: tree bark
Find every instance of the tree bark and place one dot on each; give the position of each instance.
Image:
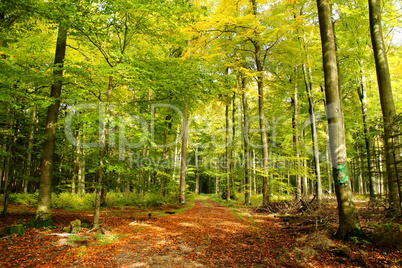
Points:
(98, 193)
(6, 177)
(313, 126)
(101, 191)
(362, 92)
(349, 224)
(295, 126)
(264, 139)
(183, 158)
(43, 212)
(227, 162)
(30, 148)
(386, 100)
(247, 181)
(197, 171)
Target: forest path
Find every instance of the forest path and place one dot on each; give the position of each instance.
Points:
(206, 235)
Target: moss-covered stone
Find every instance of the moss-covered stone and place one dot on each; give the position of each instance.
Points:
(75, 226)
(40, 224)
(15, 229)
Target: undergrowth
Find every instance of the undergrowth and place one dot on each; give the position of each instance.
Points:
(86, 201)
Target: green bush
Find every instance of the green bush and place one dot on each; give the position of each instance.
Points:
(70, 201)
(26, 200)
(73, 201)
(256, 199)
(115, 199)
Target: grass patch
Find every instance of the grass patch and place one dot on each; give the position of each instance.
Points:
(104, 239)
(204, 201)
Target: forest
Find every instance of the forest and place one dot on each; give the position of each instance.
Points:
(162, 103)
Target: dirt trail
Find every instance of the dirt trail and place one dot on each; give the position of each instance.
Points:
(206, 235)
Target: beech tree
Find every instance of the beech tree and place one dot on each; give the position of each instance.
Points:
(387, 102)
(43, 213)
(349, 224)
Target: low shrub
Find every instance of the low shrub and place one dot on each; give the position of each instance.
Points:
(73, 201)
(70, 201)
(26, 200)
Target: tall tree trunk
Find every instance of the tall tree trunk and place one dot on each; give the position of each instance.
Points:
(362, 92)
(197, 171)
(246, 147)
(232, 154)
(260, 86)
(6, 178)
(313, 126)
(227, 161)
(78, 178)
(43, 213)
(264, 143)
(359, 168)
(305, 188)
(295, 126)
(98, 193)
(183, 158)
(349, 224)
(386, 99)
(30, 148)
(74, 179)
(81, 174)
(100, 190)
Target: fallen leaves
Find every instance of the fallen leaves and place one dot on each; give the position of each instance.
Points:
(207, 234)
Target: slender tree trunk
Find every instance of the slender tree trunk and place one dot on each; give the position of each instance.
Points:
(183, 164)
(197, 171)
(264, 144)
(30, 147)
(386, 100)
(360, 169)
(78, 180)
(232, 154)
(43, 213)
(305, 188)
(81, 173)
(76, 169)
(264, 139)
(295, 126)
(246, 147)
(98, 193)
(313, 126)
(6, 177)
(349, 224)
(362, 91)
(176, 156)
(253, 166)
(227, 161)
(378, 156)
(216, 185)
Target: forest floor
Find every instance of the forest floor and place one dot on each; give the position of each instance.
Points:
(205, 234)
